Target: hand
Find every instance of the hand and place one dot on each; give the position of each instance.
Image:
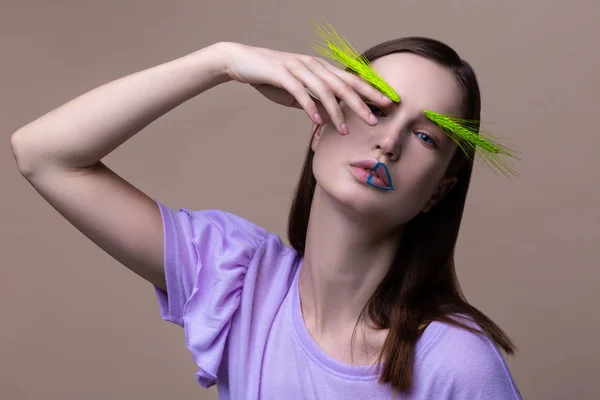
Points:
(304, 82)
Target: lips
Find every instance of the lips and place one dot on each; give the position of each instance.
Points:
(375, 169)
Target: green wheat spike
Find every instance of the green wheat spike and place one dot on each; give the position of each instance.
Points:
(469, 137)
(336, 47)
(467, 134)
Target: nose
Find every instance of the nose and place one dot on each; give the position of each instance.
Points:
(389, 143)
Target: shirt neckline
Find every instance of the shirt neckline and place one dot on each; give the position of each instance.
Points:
(330, 364)
(318, 355)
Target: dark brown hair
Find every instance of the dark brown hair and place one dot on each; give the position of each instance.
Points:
(421, 285)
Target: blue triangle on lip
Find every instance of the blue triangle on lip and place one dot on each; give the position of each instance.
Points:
(387, 174)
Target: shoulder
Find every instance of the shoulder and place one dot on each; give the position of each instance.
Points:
(219, 221)
(469, 363)
(209, 231)
(466, 351)
(224, 276)
(216, 236)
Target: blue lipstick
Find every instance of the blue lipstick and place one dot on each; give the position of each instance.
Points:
(387, 178)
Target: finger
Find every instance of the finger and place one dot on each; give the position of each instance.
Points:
(359, 84)
(298, 90)
(321, 108)
(276, 94)
(344, 91)
(323, 91)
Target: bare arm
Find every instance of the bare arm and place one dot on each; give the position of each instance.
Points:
(60, 153)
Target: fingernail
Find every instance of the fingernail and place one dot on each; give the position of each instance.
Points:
(344, 129)
(318, 119)
(372, 119)
(387, 99)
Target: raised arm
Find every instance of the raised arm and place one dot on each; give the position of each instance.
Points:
(60, 153)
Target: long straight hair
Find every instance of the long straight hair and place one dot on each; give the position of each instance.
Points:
(421, 285)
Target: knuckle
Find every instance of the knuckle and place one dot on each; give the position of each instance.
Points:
(321, 87)
(343, 87)
(365, 109)
(291, 65)
(308, 105)
(338, 114)
(309, 60)
(352, 76)
(294, 87)
(305, 58)
(355, 79)
(282, 70)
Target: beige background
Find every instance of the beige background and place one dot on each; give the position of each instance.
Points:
(74, 324)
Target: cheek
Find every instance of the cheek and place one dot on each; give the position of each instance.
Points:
(331, 149)
(419, 173)
(324, 156)
(317, 166)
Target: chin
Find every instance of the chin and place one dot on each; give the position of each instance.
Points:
(357, 199)
(362, 201)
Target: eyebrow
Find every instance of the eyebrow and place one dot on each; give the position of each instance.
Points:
(337, 48)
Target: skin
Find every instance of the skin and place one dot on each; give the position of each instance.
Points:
(353, 225)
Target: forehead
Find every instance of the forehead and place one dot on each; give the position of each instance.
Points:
(422, 84)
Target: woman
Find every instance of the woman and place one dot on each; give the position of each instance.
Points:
(372, 228)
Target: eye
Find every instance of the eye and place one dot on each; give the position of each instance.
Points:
(425, 138)
(375, 110)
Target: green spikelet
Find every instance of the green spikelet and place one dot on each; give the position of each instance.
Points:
(476, 144)
(336, 47)
(469, 137)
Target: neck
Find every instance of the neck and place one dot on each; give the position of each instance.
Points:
(344, 262)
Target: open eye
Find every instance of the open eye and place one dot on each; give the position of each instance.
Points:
(427, 139)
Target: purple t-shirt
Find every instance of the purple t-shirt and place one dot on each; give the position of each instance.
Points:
(233, 287)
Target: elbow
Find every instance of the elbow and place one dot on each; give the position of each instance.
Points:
(21, 153)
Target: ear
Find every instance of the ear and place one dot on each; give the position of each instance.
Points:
(317, 137)
(443, 188)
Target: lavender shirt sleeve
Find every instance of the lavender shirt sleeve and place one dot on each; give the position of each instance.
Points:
(206, 257)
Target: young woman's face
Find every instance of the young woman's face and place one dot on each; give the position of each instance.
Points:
(415, 151)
